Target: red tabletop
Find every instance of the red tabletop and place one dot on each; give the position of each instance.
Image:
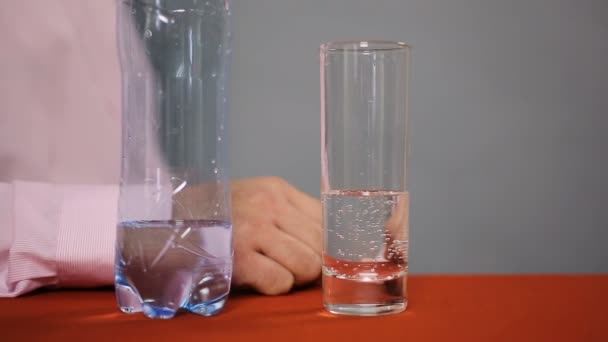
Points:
(442, 308)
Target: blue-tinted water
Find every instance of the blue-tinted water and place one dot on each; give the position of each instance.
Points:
(163, 266)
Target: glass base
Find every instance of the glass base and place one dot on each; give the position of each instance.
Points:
(366, 309)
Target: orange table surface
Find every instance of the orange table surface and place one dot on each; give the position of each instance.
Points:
(441, 308)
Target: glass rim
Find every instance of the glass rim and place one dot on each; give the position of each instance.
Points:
(363, 46)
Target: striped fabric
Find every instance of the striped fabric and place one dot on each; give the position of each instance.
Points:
(59, 143)
(56, 235)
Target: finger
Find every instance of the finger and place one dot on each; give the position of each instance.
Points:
(397, 227)
(302, 227)
(304, 202)
(398, 222)
(302, 261)
(262, 273)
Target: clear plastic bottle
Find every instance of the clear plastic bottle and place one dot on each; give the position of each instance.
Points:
(174, 232)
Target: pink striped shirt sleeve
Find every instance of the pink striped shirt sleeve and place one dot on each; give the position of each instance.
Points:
(55, 235)
(59, 144)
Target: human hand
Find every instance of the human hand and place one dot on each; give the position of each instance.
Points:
(277, 235)
(397, 229)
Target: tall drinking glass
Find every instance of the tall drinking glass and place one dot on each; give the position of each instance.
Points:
(174, 234)
(364, 134)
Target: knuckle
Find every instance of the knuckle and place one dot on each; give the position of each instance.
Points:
(268, 201)
(278, 284)
(312, 270)
(276, 183)
(274, 282)
(308, 269)
(261, 199)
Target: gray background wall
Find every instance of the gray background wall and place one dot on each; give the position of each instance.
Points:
(509, 113)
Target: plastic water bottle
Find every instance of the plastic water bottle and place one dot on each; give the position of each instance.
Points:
(174, 232)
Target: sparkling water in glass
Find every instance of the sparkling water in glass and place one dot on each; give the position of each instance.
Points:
(364, 163)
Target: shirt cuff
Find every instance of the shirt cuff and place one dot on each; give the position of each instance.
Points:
(87, 231)
(28, 239)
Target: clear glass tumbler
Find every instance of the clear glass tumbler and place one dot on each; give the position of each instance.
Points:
(364, 135)
(174, 233)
